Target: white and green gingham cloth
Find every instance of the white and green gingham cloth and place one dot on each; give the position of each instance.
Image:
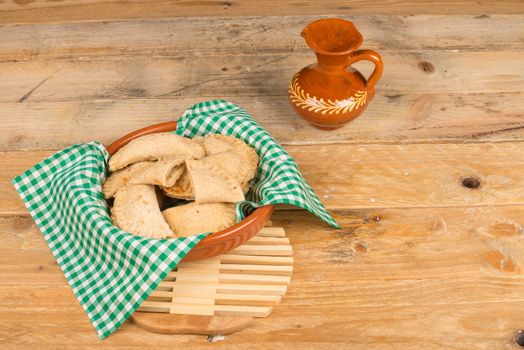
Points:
(111, 271)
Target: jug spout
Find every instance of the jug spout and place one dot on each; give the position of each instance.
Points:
(332, 36)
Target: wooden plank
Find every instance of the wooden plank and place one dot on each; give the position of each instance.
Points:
(252, 74)
(203, 276)
(267, 34)
(191, 277)
(257, 240)
(192, 309)
(278, 270)
(374, 244)
(70, 10)
(12, 166)
(474, 326)
(230, 258)
(374, 175)
(200, 289)
(253, 279)
(276, 232)
(258, 269)
(207, 310)
(414, 175)
(258, 289)
(156, 295)
(385, 278)
(263, 250)
(100, 102)
(237, 310)
(391, 117)
(189, 300)
(241, 299)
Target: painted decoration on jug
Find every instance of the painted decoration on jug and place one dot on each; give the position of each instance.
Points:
(318, 105)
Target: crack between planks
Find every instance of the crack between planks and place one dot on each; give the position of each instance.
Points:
(384, 92)
(491, 132)
(278, 208)
(249, 70)
(30, 92)
(337, 142)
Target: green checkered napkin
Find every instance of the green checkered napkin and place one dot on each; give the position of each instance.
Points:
(111, 271)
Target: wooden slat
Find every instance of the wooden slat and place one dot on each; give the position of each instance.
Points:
(395, 271)
(190, 276)
(192, 288)
(259, 289)
(267, 241)
(237, 268)
(237, 310)
(192, 309)
(277, 232)
(196, 301)
(250, 300)
(253, 279)
(71, 10)
(161, 294)
(267, 34)
(202, 276)
(207, 304)
(162, 300)
(203, 269)
(375, 175)
(229, 258)
(208, 310)
(155, 306)
(251, 249)
(209, 263)
(257, 269)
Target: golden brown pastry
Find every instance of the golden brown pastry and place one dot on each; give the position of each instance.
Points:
(136, 211)
(154, 147)
(163, 172)
(212, 184)
(193, 218)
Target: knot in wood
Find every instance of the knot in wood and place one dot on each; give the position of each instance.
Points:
(426, 67)
(519, 338)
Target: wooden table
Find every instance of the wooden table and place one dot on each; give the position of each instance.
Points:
(425, 260)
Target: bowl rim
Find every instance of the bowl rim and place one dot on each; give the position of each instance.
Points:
(214, 237)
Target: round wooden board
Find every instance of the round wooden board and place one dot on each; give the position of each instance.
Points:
(190, 324)
(222, 294)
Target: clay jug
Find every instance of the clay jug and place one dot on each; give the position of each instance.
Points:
(331, 93)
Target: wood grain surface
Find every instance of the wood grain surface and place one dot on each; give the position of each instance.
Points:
(395, 118)
(373, 175)
(466, 83)
(431, 277)
(253, 34)
(248, 75)
(421, 262)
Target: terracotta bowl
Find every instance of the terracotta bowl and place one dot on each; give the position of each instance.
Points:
(218, 242)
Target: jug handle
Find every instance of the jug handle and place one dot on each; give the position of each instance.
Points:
(368, 55)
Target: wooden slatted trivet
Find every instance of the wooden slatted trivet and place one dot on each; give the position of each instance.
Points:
(220, 294)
